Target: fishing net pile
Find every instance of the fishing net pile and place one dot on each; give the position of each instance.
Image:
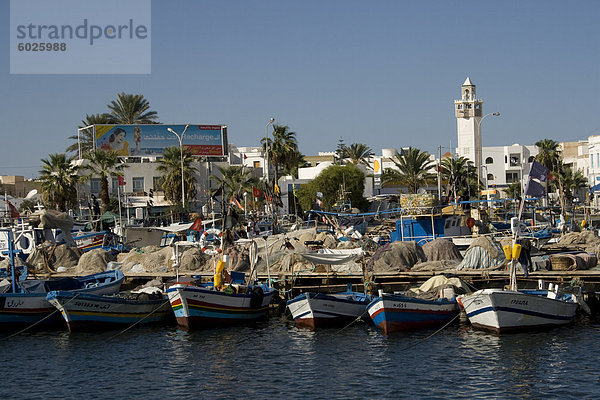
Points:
(147, 259)
(52, 258)
(441, 249)
(285, 253)
(483, 253)
(396, 257)
(94, 261)
(586, 241)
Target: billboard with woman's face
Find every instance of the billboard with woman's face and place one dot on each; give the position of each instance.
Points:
(151, 140)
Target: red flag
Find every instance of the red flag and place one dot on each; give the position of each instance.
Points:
(245, 156)
(13, 210)
(121, 180)
(197, 225)
(235, 202)
(257, 192)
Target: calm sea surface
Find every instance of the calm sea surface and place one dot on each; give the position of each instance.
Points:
(275, 360)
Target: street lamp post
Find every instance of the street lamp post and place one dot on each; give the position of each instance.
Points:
(267, 146)
(478, 156)
(181, 156)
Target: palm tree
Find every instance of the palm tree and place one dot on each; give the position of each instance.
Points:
(235, 180)
(132, 109)
(549, 154)
(513, 190)
(461, 175)
(59, 180)
(85, 138)
(283, 149)
(170, 181)
(103, 163)
(413, 168)
(359, 153)
(567, 183)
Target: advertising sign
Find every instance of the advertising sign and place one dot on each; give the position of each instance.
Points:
(151, 140)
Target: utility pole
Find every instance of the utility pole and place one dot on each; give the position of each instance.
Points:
(439, 174)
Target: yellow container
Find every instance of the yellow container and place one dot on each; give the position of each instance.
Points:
(516, 251)
(218, 277)
(507, 252)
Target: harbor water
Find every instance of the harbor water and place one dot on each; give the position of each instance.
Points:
(273, 359)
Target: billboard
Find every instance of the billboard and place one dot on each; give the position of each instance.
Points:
(151, 140)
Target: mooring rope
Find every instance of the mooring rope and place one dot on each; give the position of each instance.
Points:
(140, 320)
(40, 321)
(355, 320)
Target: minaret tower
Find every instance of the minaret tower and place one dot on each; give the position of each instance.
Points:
(468, 116)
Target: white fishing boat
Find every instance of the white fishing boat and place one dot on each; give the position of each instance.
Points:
(316, 310)
(511, 309)
(501, 310)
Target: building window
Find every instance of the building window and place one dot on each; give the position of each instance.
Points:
(514, 160)
(531, 159)
(489, 160)
(597, 159)
(490, 177)
(591, 161)
(138, 184)
(95, 185)
(512, 177)
(156, 183)
(256, 164)
(115, 185)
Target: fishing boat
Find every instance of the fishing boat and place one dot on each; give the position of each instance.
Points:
(397, 312)
(226, 300)
(316, 310)
(501, 310)
(86, 311)
(433, 304)
(199, 306)
(511, 309)
(27, 303)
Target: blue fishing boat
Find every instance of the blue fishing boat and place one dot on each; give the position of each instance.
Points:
(27, 304)
(86, 311)
(431, 305)
(397, 312)
(316, 310)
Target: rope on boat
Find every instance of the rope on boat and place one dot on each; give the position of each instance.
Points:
(355, 320)
(140, 320)
(430, 336)
(40, 321)
(437, 331)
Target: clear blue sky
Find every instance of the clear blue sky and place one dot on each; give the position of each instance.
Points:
(383, 73)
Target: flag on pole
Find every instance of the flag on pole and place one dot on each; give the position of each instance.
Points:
(538, 180)
(121, 180)
(257, 192)
(197, 225)
(13, 210)
(236, 202)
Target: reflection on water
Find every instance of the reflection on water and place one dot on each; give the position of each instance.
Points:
(274, 359)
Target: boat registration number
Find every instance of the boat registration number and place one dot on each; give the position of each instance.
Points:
(399, 305)
(9, 303)
(519, 302)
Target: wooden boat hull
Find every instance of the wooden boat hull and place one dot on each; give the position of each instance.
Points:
(199, 307)
(84, 312)
(318, 310)
(393, 312)
(30, 308)
(501, 310)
